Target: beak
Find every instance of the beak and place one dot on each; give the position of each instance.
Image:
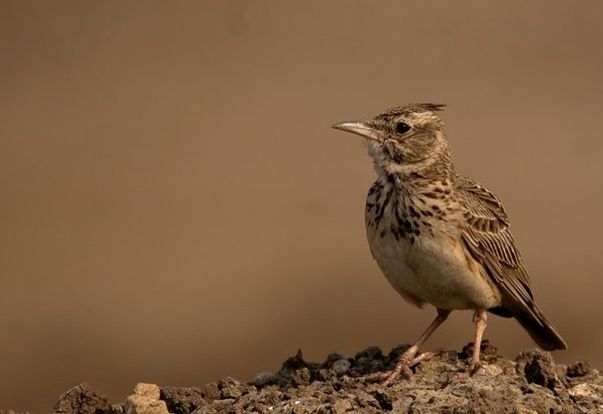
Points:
(359, 128)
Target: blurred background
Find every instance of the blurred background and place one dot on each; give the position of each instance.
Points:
(175, 207)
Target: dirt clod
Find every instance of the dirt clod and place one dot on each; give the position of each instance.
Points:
(182, 400)
(578, 369)
(539, 368)
(81, 399)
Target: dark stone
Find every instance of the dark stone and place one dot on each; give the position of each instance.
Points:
(82, 400)
(372, 352)
(210, 392)
(538, 368)
(341, 366)
(182, 400)
(578, 369)
(295, 362)
(488, 352)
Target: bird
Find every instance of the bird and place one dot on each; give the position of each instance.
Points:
(440, 237)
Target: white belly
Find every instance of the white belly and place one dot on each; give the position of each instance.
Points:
(433, 269)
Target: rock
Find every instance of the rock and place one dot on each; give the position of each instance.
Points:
(182, 400)
(81, 400)
(295, 362)
(539, 368)
(588, 392)
(491, 370)
(117, 409)
(135, 404)
(147, 390)
(210, 392)
(341, 366)
(224, 406)
(145, 400)
(300, 377)
(331, 358)
(230, 389)
(488, 352)
(341, 406)
(578, 369)
(372, 352)
(264, 378)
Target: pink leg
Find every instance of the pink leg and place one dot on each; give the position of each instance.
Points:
(480, 318)
(408, 359)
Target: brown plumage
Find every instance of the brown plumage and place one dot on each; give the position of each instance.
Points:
(440, 237)
(489, 240)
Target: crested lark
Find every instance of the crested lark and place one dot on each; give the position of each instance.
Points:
(440, 237)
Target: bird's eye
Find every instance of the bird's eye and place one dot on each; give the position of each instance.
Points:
(402, 128)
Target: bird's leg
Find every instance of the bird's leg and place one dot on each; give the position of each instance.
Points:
(480, 318)
(408, 359)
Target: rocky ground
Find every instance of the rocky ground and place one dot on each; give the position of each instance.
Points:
(531, 383)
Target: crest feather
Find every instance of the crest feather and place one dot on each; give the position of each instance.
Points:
(410, 109)
(434, 107)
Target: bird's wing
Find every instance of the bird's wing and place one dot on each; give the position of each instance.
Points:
(487, 237)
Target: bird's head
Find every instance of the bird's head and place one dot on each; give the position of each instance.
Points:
(404, 139)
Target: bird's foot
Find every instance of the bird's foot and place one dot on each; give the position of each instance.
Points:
(403, 367)
(474, 367)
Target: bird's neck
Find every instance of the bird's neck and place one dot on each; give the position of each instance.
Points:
(437, 171)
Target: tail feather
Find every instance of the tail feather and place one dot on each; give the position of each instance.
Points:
(541, 330)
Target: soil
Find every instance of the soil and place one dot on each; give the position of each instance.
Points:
(531, 383)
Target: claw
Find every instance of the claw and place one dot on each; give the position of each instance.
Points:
(474, 367)
(425, 356)
(404, 368)
(391, 376)
(408, 357)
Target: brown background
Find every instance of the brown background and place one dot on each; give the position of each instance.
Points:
(175, 207)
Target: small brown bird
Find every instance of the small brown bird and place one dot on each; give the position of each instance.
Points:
(440, 237)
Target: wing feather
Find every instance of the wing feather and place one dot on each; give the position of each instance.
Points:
(489, 240)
